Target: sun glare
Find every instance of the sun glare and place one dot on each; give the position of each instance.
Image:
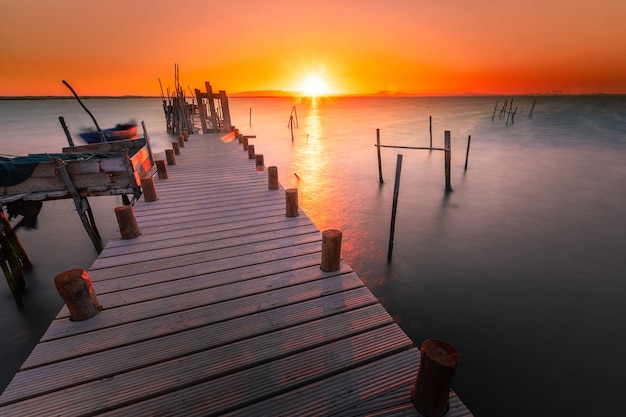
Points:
(314, 86)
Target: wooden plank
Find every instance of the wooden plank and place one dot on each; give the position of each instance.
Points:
(62, 327)
(223, 325)
(216, 378)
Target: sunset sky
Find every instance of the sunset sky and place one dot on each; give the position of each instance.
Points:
(123, 47)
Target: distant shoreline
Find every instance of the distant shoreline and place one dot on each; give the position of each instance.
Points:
(250, 94)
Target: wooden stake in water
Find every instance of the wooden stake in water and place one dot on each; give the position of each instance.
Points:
(430, 121)
(380, 166)
(469, 139)
(396, 191)
(447, 158)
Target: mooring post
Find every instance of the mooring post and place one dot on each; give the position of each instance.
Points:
(431, 390)
(331, 250)
(170, 156)
(396, 191)
(494, 110)
(272, 178)
(380, 164)
(176, 148)
(148, 188)
(125, 215)
(291, 200)
(430, 123)
(251, 152)
(244, 140)
(259, 160)
(161, 169)
(75, 288)
(447, 158)
(469, 140)
(181, 141)
(185, 134)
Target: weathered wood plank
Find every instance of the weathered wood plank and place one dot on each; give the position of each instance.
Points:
(222, 325)
(156, 307)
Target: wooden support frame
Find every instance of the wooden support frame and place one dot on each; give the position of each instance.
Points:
(82, 205)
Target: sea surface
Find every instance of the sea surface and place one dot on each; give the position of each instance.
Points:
(522, 267)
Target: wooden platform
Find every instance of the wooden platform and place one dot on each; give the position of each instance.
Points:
(220, 308)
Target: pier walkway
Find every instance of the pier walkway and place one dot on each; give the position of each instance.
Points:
(220, 308)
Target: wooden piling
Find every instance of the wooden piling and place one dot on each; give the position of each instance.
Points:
(447, 158)
(331, 250)
(129, 229)
(380, 165)
(161, 169)
(259, 160)
(185, 134)
(291, 199)
(148, 188)
(250, 151)
(244, 140)
(469, 140)
(181, 141)
(272, 178)
(170, 156)
(437, 368)
(396, 191)
(430, 123)
(176, 148)
(75, 288)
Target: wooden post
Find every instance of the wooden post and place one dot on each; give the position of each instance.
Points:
(447, 158)
(380, 165)
(185, 134)
(331, 250)
(75, 288)
(431, 390)
(272, 178)
(532, 109)
(494, 110)
(250, 121)
(430, 122)
(259, 160)
(170, 156)
(161, 169)
(291, 199)
(244, 140)
(396, 191)
(469, 140)
(129, 229)
(149, 190)
(176, 148)
(250, 151)
(181, 141)
(202, 111)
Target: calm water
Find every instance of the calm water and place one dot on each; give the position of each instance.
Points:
(521, 267)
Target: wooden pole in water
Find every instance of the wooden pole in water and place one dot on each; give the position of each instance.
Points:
(396, 191)
(431, 390)
(532, 109)
(469, 140)
(494, 110)
(291, 200)
(250, 121)
(125, 215)
(75, 288)
(430, 122)
(331, 250)
(380, 165)
(170, 156)
(272, 178)
(447, 158)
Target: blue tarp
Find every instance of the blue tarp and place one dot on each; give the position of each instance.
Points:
(16, 170)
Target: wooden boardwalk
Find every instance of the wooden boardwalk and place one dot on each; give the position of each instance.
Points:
(220, 308)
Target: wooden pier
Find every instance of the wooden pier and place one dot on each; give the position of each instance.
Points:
(220, 308)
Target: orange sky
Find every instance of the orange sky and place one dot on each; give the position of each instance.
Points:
(121, 47)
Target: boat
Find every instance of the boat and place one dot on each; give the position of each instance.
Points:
(119, 132)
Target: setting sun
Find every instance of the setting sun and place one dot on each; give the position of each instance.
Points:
(314, 85)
